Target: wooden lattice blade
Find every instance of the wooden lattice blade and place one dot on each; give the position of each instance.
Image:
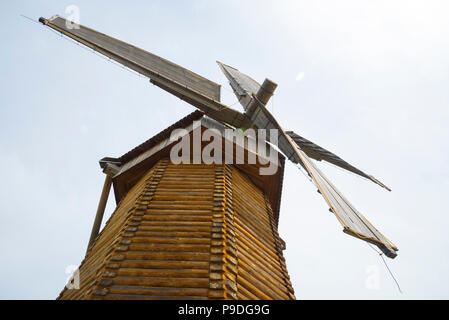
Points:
(243, 85)
(316, 152)
(188, 86)
(353, 222)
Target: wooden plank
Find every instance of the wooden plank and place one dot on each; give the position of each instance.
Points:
(164, 264)
(163, 282)
(167, 273)
(157, 291)
(138, 59)
(178, 256)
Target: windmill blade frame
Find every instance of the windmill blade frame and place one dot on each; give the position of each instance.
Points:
(196, 90)
(353, 222)
(318, 153)
(244, 87)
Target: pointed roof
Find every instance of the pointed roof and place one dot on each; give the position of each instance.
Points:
(133, 164)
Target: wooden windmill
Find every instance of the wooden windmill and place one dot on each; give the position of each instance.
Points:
(200, 230)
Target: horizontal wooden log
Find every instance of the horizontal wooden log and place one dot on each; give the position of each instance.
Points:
(162, 247)
(171, 240)
(179, 256)
(175, 234)
(175, 220)
(158, 291)
(120, 296)
(162, 282)
(167, 273)
(174, 228)
(165, 264)
(261, 284)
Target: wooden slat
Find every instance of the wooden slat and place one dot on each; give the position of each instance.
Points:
(260, 274)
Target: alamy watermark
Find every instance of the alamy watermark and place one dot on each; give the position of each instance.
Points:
(73, 279)
(206, 146)
(73, 17)
(372, 280)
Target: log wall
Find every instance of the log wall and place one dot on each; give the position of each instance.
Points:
(191, 231)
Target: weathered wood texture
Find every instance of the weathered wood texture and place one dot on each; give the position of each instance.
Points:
(136, 58)
(187, 232)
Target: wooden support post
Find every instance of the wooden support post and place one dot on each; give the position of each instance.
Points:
(100, 210)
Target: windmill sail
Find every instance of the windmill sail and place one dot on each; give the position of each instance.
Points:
(353, 222)
(188, 86)
(314, 151)
(244, 87)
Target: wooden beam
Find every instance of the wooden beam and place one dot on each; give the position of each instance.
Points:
(100, 211)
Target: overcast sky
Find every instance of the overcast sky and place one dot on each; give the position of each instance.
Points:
(368, 80)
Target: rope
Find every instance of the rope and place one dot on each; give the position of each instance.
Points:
(91, 50)
(386, 265)
(229, 90)
(391, 273)
(229, 107)
(300, 168)
(31, 19)
(234, 103)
